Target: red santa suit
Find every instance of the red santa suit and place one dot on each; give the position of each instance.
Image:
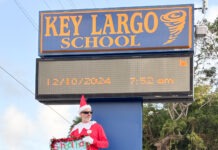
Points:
(94, 130)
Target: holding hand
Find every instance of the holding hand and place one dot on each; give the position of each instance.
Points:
(88, 139)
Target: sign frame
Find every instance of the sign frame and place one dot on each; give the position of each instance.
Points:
(147, 97)
(156, 47)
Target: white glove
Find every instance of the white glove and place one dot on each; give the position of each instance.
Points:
(88, 139)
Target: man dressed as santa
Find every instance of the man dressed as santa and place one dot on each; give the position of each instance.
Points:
(92, 132)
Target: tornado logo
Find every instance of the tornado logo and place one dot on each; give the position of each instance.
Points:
(175, 21)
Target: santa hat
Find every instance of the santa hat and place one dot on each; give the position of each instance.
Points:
(83, 104)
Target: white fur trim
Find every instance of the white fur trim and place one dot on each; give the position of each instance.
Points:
(84, 107)
(82, 125)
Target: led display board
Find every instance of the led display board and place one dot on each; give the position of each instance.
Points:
(116, 30)
(149, 77)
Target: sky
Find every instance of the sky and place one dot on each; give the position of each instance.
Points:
(26, 123)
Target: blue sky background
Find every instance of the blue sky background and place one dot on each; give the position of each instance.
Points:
(24, 122)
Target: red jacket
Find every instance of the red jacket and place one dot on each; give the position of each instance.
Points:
(95, 131)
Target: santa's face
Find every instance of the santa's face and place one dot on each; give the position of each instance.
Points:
(86, 115)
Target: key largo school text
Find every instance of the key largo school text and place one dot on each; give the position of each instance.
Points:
(116, 29)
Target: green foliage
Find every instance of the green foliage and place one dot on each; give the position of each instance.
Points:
(201, 94)
(153, 119)
(75, 121)
(196, 141)
(213, 27)
(172, 127)
(198, 130)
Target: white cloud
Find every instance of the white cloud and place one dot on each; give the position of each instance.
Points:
(15, 128)
(54, 125)
(18, 132)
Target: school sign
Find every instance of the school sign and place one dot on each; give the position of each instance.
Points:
(118, 30)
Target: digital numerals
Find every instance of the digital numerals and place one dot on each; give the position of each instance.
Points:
(91, 81)
(78, 81)
(149, 80)
(141, 80)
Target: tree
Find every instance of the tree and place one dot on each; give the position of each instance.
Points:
(75, 121)
(206, 54)
(189, 125)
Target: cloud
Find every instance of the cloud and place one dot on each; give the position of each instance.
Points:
(15, 128)
(56, 124)
(20, 132)
(53, 122)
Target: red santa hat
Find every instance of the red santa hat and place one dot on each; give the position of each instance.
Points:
(83, 104)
